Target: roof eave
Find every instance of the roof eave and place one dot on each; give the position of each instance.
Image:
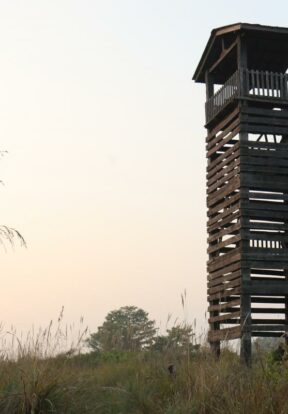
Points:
(197, 77)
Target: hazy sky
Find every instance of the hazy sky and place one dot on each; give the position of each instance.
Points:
(105, 175)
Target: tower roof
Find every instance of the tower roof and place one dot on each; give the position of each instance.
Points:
(267, 48)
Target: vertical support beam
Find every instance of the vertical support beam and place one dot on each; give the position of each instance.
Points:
(215, 346)
(245, 307)
(209, 93)
(245, 318)
(209, 85)
(242, 63)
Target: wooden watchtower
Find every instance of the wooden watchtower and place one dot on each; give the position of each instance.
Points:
(244, 68)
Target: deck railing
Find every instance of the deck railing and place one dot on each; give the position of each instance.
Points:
(247, 82)
(227, 93)
(265, 84)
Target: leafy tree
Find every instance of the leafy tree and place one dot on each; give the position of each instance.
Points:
(180, 337)
(125, 329)
(160, 343)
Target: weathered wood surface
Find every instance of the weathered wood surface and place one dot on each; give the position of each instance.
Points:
(247, 200)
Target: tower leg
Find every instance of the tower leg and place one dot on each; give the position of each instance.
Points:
(215, 348)
(246, 346)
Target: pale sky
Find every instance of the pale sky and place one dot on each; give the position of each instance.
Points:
(105, 175)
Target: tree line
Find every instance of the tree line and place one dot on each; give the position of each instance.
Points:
(129, 329)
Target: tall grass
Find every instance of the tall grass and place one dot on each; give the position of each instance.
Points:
(46, 374)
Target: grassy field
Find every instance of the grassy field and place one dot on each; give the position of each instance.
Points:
(139, 383)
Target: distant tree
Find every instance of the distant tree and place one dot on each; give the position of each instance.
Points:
(180, 336)
(160, 343)
(124, 329)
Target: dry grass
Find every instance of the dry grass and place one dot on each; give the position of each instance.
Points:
(34, 380)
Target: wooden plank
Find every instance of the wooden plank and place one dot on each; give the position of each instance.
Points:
(218, 139)
(267, 300)
(264, 120)
(233, 229)
(266, 226)
(258, 182)
(276, 170)
(267, 145)
(268, 310)
(268, 254)
(224, 295)
(230, 212)
(265, 205)
(228, 202)
(265, 288)
(267, 334)
(224, 334)
(225, 271)
(223, 181)
(268, 321)
(263, 129)
(249, 110)
(267, 272)
(272, 328)
(223, 279)
(227, 190)
(258, 214)
(220, 171)
(224, 287)
(221, 261)
(224, 306)
(264, 160)
(224, 222)
(222, 159)
(223, 318)
(224, 142)
(224, 171)
(232, 240)
(269, 263)
(224, 124)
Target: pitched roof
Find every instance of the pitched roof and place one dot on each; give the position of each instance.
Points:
(230, 31)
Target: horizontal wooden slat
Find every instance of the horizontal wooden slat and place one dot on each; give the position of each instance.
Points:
(267, 300)
(224, 287)
(224, 271)
(227, 242)
(222, 261)
(224, 334)
(222, 318)
(225, 294)
(267, 334)
(272, 328)
(265, 288)
(268, 310)
(224, 306)
(232, 152)
(223, 279)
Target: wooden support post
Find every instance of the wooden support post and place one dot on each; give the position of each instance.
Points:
(215, 347)
(246, 348)
(242, 64)
(209, 85)
(245, 307)
(247, 181)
